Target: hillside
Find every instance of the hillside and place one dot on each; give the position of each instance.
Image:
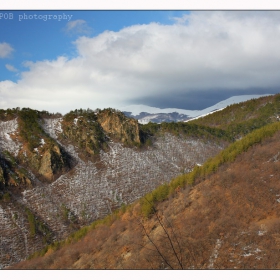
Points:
(62, 173)
(239, 119)
(59, 173)
(225, 218)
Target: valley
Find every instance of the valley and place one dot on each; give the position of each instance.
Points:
(139, 140)
(47, 211)
(108, 193)
(226, 220)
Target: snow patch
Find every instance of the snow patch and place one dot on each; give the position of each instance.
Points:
(6, 142)
(215, 253)
(204, 115)
(147, 119)
(250, 252)
(247, 255)
(53, 127)
(261, 232)
(8, 137)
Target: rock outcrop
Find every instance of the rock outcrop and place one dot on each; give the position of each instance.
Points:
(13, 178)
(82, 129)
(119, 127)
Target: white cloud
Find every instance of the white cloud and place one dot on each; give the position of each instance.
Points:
(204, 51)
(11, 68)
(78, 26)
(5, 50)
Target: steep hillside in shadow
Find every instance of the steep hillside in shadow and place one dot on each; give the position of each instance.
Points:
(225, 217)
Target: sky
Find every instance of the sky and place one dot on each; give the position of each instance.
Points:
(64, 60)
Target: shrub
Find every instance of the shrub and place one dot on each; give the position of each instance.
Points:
(32, 224)
(6, 197)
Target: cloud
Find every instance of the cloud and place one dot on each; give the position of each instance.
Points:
(204, 53)
(180, 20)
(77, 27)
(5, 50)
(11, 68)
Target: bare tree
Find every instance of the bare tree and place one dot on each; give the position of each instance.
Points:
(172, 241)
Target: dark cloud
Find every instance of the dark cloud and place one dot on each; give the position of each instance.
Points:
(199, 100)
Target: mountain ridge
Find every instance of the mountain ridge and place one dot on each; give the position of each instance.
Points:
(144, 113)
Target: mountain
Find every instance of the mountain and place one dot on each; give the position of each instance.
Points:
(145, 114)
(59, 173)
(222, 215)
(240, 119)
(131, 190)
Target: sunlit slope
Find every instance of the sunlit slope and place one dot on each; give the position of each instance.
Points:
(239, 119)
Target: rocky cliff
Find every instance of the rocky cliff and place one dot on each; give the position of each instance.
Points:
(119, 127)
(82, 129)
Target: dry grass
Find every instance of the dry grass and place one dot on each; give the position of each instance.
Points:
(229, 221)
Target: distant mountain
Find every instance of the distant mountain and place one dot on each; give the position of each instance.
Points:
(145, 114)
(145, 117)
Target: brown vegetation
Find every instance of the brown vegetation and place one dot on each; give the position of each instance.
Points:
(230, 220)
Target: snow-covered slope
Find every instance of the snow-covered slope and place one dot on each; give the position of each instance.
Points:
(145, 114)
(6, 142)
